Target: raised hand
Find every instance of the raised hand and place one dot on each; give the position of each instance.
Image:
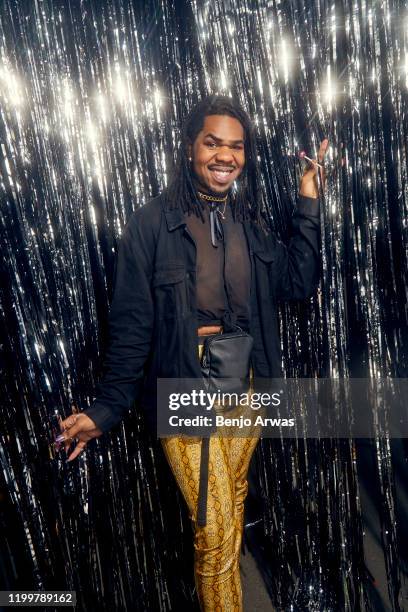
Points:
(309, 186)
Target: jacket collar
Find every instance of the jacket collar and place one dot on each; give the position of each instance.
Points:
(174, 218)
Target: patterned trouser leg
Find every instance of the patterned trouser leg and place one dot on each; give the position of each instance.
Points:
(218, 543)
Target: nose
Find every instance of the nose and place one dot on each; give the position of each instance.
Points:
(224, 154)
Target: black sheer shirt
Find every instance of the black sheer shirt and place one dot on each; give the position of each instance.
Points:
(223, 272)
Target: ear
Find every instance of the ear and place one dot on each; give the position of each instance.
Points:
(189, 151)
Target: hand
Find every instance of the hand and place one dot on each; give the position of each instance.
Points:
(309, 186)
(78, 426)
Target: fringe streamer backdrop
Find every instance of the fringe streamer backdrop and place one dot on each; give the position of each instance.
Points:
(92, 96)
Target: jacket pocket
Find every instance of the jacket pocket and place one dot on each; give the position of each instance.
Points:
(170, 292)
(266, 256)
(168, 276)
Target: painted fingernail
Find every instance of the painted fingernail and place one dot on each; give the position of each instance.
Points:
(60, 438)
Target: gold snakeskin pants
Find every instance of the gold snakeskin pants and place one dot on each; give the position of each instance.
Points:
(217, 544)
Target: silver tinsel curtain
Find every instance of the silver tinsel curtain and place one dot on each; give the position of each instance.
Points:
(92, 97)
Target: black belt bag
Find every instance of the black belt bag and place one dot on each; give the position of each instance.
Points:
(225, 361)
(225, 366)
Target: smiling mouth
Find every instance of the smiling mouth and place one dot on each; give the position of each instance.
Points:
(221, 175)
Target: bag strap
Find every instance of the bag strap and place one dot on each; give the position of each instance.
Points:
(203, 483)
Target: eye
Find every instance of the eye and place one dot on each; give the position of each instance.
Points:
(211, 145)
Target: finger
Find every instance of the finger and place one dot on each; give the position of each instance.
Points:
(67, 440)
(77, 450)
(68, 422)
(322, 150)
(320, 178)
(70, 432)
(67, 444)
(311, 168)
(316, 170)
(314, 173)
(60, 427)
(57, 445)
(62, 439)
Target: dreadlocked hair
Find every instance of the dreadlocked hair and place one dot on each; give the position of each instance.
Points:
(247, 198)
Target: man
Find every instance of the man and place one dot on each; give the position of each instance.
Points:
(200, 251)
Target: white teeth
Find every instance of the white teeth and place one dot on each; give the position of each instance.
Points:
(222, 176)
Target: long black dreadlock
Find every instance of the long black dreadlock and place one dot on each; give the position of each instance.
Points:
(247, 199)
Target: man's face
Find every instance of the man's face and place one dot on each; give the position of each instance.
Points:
(218, 155)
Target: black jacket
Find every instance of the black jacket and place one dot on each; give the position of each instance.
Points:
(153, 317)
